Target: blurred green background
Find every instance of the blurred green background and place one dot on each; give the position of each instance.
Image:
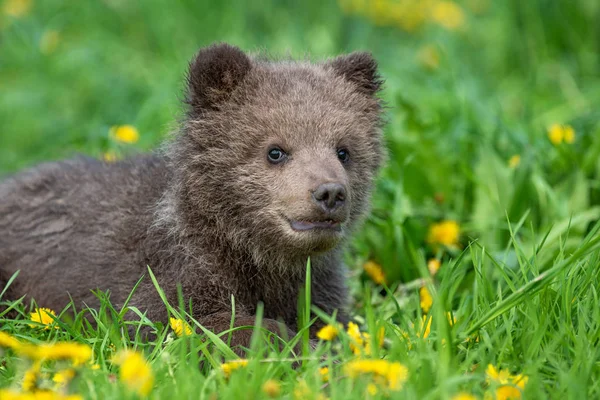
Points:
(473, 89)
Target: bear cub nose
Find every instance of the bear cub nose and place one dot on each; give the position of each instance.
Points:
(330, 196)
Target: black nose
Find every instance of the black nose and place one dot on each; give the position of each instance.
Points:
(330, 195)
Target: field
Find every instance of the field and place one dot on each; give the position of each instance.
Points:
(477, 273)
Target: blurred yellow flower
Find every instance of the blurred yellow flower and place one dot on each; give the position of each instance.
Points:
(76, 352)
(558, 133)
(328, 332)
(31, 377)
(271, 388)
(451, 319)
(433, 266)
(463, 396)
(514, 161)
(109, 156)
(504, 392)
(375, 272)
(569, 134)
(446, 233)
(372, 389)
(502, 376)
(49, 41)
(429, 57)
(180, 327)
(426, 299)
(424, 330)
(231, 366)
(17, 8)
(63, 377)
(555, 134)
(303, 392)
(448, 14)
(134, 371)
(510, 386)
(8, 342)
(43, 316)
(393, 373)
(324, 372)
(356, 338)
(125, 134)
(7, 394)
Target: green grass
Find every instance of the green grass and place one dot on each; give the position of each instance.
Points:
(525, 276)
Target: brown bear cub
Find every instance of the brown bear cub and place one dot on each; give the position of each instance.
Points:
(273, 164)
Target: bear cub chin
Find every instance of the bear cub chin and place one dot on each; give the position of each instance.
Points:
(273, 163)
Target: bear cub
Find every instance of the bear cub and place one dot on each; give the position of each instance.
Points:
(273, 164)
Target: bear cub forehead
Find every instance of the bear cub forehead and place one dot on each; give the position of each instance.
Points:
(294, 101)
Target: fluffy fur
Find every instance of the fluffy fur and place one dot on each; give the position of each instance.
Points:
(209, 212)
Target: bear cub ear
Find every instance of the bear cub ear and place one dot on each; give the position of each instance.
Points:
(359, 68)
(213, 74)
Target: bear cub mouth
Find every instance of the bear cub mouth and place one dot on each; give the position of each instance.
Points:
(302, 226)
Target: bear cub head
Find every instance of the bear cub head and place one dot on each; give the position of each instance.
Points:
(277, 158)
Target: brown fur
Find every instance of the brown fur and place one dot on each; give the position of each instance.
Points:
(209, 212)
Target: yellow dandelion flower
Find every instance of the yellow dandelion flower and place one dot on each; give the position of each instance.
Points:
(49, 41)
(510, 385)
(514, 161)
(397, 375)
(426, 299)
(31, 377)
(231, 366)
(9, 342)
(125, 134)
(328, 332)
(424, 327)
(394, 373)
(375, 272)
(6, 394)
(463, 396)
(499, 376)
(17, 8)
(451, 319)
(556, 134)
(43, 316)
(271, 388)
(507, 392)
(109, 156)
(180, 327)
(569, 134)
(76, 352)
(356, 338)
(134, 371)
(324, 372)
(433, 266)
(63, 377)
(448, 14)
(429, 57)
(302, 391)
(372, 389)
(446, 233)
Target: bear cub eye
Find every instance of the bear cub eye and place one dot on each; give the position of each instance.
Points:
(343, 155)
(276, 155)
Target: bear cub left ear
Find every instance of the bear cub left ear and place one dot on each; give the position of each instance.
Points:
(213, 75)
(359, 68)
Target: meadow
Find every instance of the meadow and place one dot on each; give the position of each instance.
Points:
(476, 275)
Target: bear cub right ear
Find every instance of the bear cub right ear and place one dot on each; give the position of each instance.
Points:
(213, 74)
